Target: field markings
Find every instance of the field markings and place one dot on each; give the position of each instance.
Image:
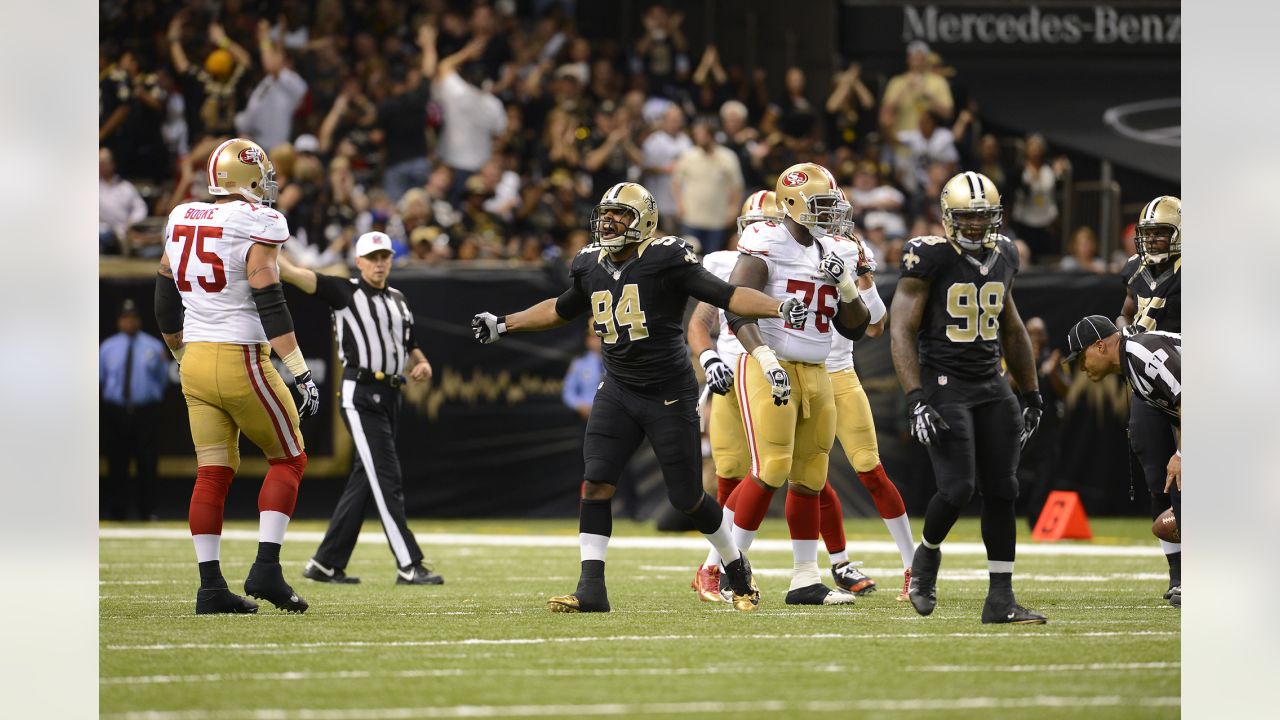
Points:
(635, 543)
(996, 635)
(958, 575)
(663, 708)
(1076, 667)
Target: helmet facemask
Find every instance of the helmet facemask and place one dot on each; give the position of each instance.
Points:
(826, 214)
(751, 218)
(1151, 236)
(614, 234)
(973, 228)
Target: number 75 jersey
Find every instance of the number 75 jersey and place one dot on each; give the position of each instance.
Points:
(960, 329)
(208, 246)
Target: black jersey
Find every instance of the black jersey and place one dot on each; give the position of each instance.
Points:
(1159, 297)
(960, 329)
(1152, 364)
(638, 308)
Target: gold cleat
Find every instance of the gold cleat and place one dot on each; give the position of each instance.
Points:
(749, 602)
(574, 604)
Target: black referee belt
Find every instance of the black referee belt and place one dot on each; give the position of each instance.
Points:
(372, 377)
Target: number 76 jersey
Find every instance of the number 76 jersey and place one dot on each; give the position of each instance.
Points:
(208, 246)
(960, 329)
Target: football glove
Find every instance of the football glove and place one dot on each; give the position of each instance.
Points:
(927, 424)
(1034, 408)
(719, 374)
(793, 313)
(308, 395)
(837, 273)
(779, 383)
(488, 328)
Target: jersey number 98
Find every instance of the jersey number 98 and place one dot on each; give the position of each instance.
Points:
(977, 309)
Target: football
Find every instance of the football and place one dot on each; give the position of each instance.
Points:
(1165, 527)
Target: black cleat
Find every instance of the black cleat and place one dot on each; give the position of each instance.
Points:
(1007, 610)
(851, 579)
(417, 574)
(266, 582)
(210, 601)
(320, 573)
(1175, 596)
(745, 596)
(1174, 585)
(923, 590)
(819, 594)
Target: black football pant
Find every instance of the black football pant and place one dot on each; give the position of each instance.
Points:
(130, 434)
(1153, 437)
(369, 411)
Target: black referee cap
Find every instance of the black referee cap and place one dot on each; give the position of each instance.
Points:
(1087, 332)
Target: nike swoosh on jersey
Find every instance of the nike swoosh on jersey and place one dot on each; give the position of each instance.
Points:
(671, 402)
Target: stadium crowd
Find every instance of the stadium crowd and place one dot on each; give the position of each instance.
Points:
(468, 131)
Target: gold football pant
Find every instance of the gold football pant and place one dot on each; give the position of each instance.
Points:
(233, 388)
(791, 441)
(855, 427)
(729, 448)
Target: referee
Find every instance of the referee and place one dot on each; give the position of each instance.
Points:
(375, 334)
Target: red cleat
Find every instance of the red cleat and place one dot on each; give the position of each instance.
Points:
(706, 582)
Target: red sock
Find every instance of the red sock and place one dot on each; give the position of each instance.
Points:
(280, 486)
(804, 516)
(724, 487)
(731, 502)
(752, 504)
(886, 496)
(208, 498)
(832, 515)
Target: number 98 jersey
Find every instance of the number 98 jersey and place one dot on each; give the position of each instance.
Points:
(960, 329)
(208, 245)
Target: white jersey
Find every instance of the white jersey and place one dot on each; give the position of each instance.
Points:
(793, 272)
(720, 263)
(841, 356)
(208, 246)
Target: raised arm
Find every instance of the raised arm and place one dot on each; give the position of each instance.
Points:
(299, 277)
(176, 54)
(427, 43)
(268, 295)
(272, 55)
(219, 37)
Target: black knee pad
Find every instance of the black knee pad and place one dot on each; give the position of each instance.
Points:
(956, 493)
(1004, 489)
(685, 499)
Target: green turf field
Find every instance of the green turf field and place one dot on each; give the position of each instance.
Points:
(483, 644)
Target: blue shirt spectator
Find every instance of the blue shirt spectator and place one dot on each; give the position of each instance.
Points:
(148, 360)
(586, 372)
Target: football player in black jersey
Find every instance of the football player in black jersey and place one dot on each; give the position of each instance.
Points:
(953, 314)
(1153, 280)
(636, 287)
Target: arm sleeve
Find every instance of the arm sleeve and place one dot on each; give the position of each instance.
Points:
(334, 290)
(699, 283)
(168, 306)
(572, 302)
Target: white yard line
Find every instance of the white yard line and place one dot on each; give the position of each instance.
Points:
(1101, 667)
(666, 708)
(944, 574)
(636, 543)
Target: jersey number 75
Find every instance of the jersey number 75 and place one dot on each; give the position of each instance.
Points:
(193, 237)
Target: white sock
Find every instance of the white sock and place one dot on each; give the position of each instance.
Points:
(593, 547)
(927, 544)
(722, 543)
(208, 547)
(271, 526)
(743, 538)
(805, 570)
(900, 529)
(1000, 566)
(1170, 548)
(837, 558)
(713, 557)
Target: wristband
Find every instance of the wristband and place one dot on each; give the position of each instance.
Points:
(1178, 452)
(875, 304)
(1032, 399)
(502, 324)
(846, 288)
(915, 397)
(766, 357)
(295, 362)
(708, 356)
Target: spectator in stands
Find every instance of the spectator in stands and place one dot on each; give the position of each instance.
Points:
(849, 109)
(268, 116)
(661, 150)
(914, 92)
(660, 54)
(794, 116)
(991, 164)
(132, 104)
(473, 118)
(610, 152)
(917, 150)
(1128, 248)
(742, 139)
(402, 117)
(1035, 207)
(133, 372)
(1082, 252)
(120, 206)
(504, 183)
(876, 204)
(710, 82)
(706, 185)
(496, 52)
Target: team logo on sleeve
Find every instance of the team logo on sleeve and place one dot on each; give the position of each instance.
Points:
(795, 179)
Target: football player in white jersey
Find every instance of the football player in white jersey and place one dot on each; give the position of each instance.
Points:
(221, 310)
(790, 441)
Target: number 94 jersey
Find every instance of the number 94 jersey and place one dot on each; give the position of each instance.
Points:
(208, 245)
(960, 329)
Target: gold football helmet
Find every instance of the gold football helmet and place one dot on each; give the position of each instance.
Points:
(971, 211)
(241, 166)
(1160, 230)
(637, 226)
(761, 206)
(808, 194)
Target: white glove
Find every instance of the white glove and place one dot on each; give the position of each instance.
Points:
(719, 374)
(780, 384)
(793, 313)
(488, 328)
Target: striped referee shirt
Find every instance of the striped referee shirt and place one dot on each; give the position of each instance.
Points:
(1152, 364)
(374, 327)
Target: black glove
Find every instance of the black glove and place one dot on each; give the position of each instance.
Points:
(780, 385)
(927, 424)
(719, 374)
(1031, 412)
(308, 395)
(488, 327)
(793, 313)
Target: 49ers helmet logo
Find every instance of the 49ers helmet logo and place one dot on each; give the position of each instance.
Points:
(250, 156)
(795, 179)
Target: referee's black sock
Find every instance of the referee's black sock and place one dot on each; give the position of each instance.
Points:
(268, 552)
(211, 575)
